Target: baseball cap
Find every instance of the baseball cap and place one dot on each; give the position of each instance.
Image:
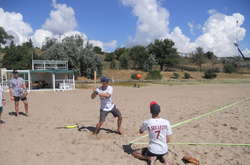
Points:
(155, 108)
(104, 79)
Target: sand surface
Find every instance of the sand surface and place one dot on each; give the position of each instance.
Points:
(34, 140)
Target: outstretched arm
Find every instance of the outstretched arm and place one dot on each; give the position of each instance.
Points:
(94, 94)
(11, 94)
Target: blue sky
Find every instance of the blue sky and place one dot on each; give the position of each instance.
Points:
(105, 21)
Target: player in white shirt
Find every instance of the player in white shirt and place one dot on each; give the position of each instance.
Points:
(2, 102)
(107, 106)
(160, 132)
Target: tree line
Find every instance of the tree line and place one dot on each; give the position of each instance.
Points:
(84, 58)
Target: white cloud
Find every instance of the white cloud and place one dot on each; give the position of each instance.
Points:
(14, 25)
(212, 11)
(104, 45)
(62, 19)
(218, 32)
(39, 37)
(182, 42)
(152, 21)
(246, 52)
(193, 27)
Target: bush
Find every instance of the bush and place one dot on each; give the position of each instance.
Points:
(133, 76)
(175, 76)
(154, 75)
(114, 64)
(229, 68)
(210, 74)
(187, 75)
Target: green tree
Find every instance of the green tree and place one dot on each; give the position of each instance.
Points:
(17, 57)
(125, 61)
(164, 52)
(119, 51)
(211, 57)
(110, 56)
(140, 58)
(80, 54)
(97, 50)
(199, 57)
(4, 36)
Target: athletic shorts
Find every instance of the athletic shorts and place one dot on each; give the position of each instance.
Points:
(18, 98)
(1, 109)
(115, 112)
(146, 152)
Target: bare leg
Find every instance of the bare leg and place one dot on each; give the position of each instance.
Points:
(97, 129)
(17, 107)
(137, 154)
(119, 123)
(26, 106)
(151, 160)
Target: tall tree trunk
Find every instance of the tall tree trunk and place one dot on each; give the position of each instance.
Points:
(162, 66)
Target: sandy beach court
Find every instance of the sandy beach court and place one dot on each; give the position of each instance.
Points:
(35, 139)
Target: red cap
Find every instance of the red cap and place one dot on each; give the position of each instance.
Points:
(153, 103)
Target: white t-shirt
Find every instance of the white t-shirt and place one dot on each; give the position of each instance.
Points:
(1, 96)
(158, 130)
(106, 102)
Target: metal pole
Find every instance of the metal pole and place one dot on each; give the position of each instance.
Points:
(54, 81)
(29, 80)
(74, 85)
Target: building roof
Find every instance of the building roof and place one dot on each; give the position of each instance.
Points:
(52, 71)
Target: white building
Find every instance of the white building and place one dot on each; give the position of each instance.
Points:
(45, 75)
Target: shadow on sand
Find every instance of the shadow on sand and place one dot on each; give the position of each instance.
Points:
(128, 149)
(20, 113)
(92, 129)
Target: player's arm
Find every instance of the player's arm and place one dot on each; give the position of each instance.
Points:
(11, 91)
(23, 84)
(143, 128)
(3, 99)
(169, 134)
(105, 94)
(94, 94)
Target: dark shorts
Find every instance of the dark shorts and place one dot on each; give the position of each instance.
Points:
(16, 98)
(115, 112)
(1, 109)
(146, 152)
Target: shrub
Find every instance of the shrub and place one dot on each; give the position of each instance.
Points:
(210, 74)
(154, 75)
(175, 76)
(133, 76)
(229, 68)
(114, 64)
(187, 75)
